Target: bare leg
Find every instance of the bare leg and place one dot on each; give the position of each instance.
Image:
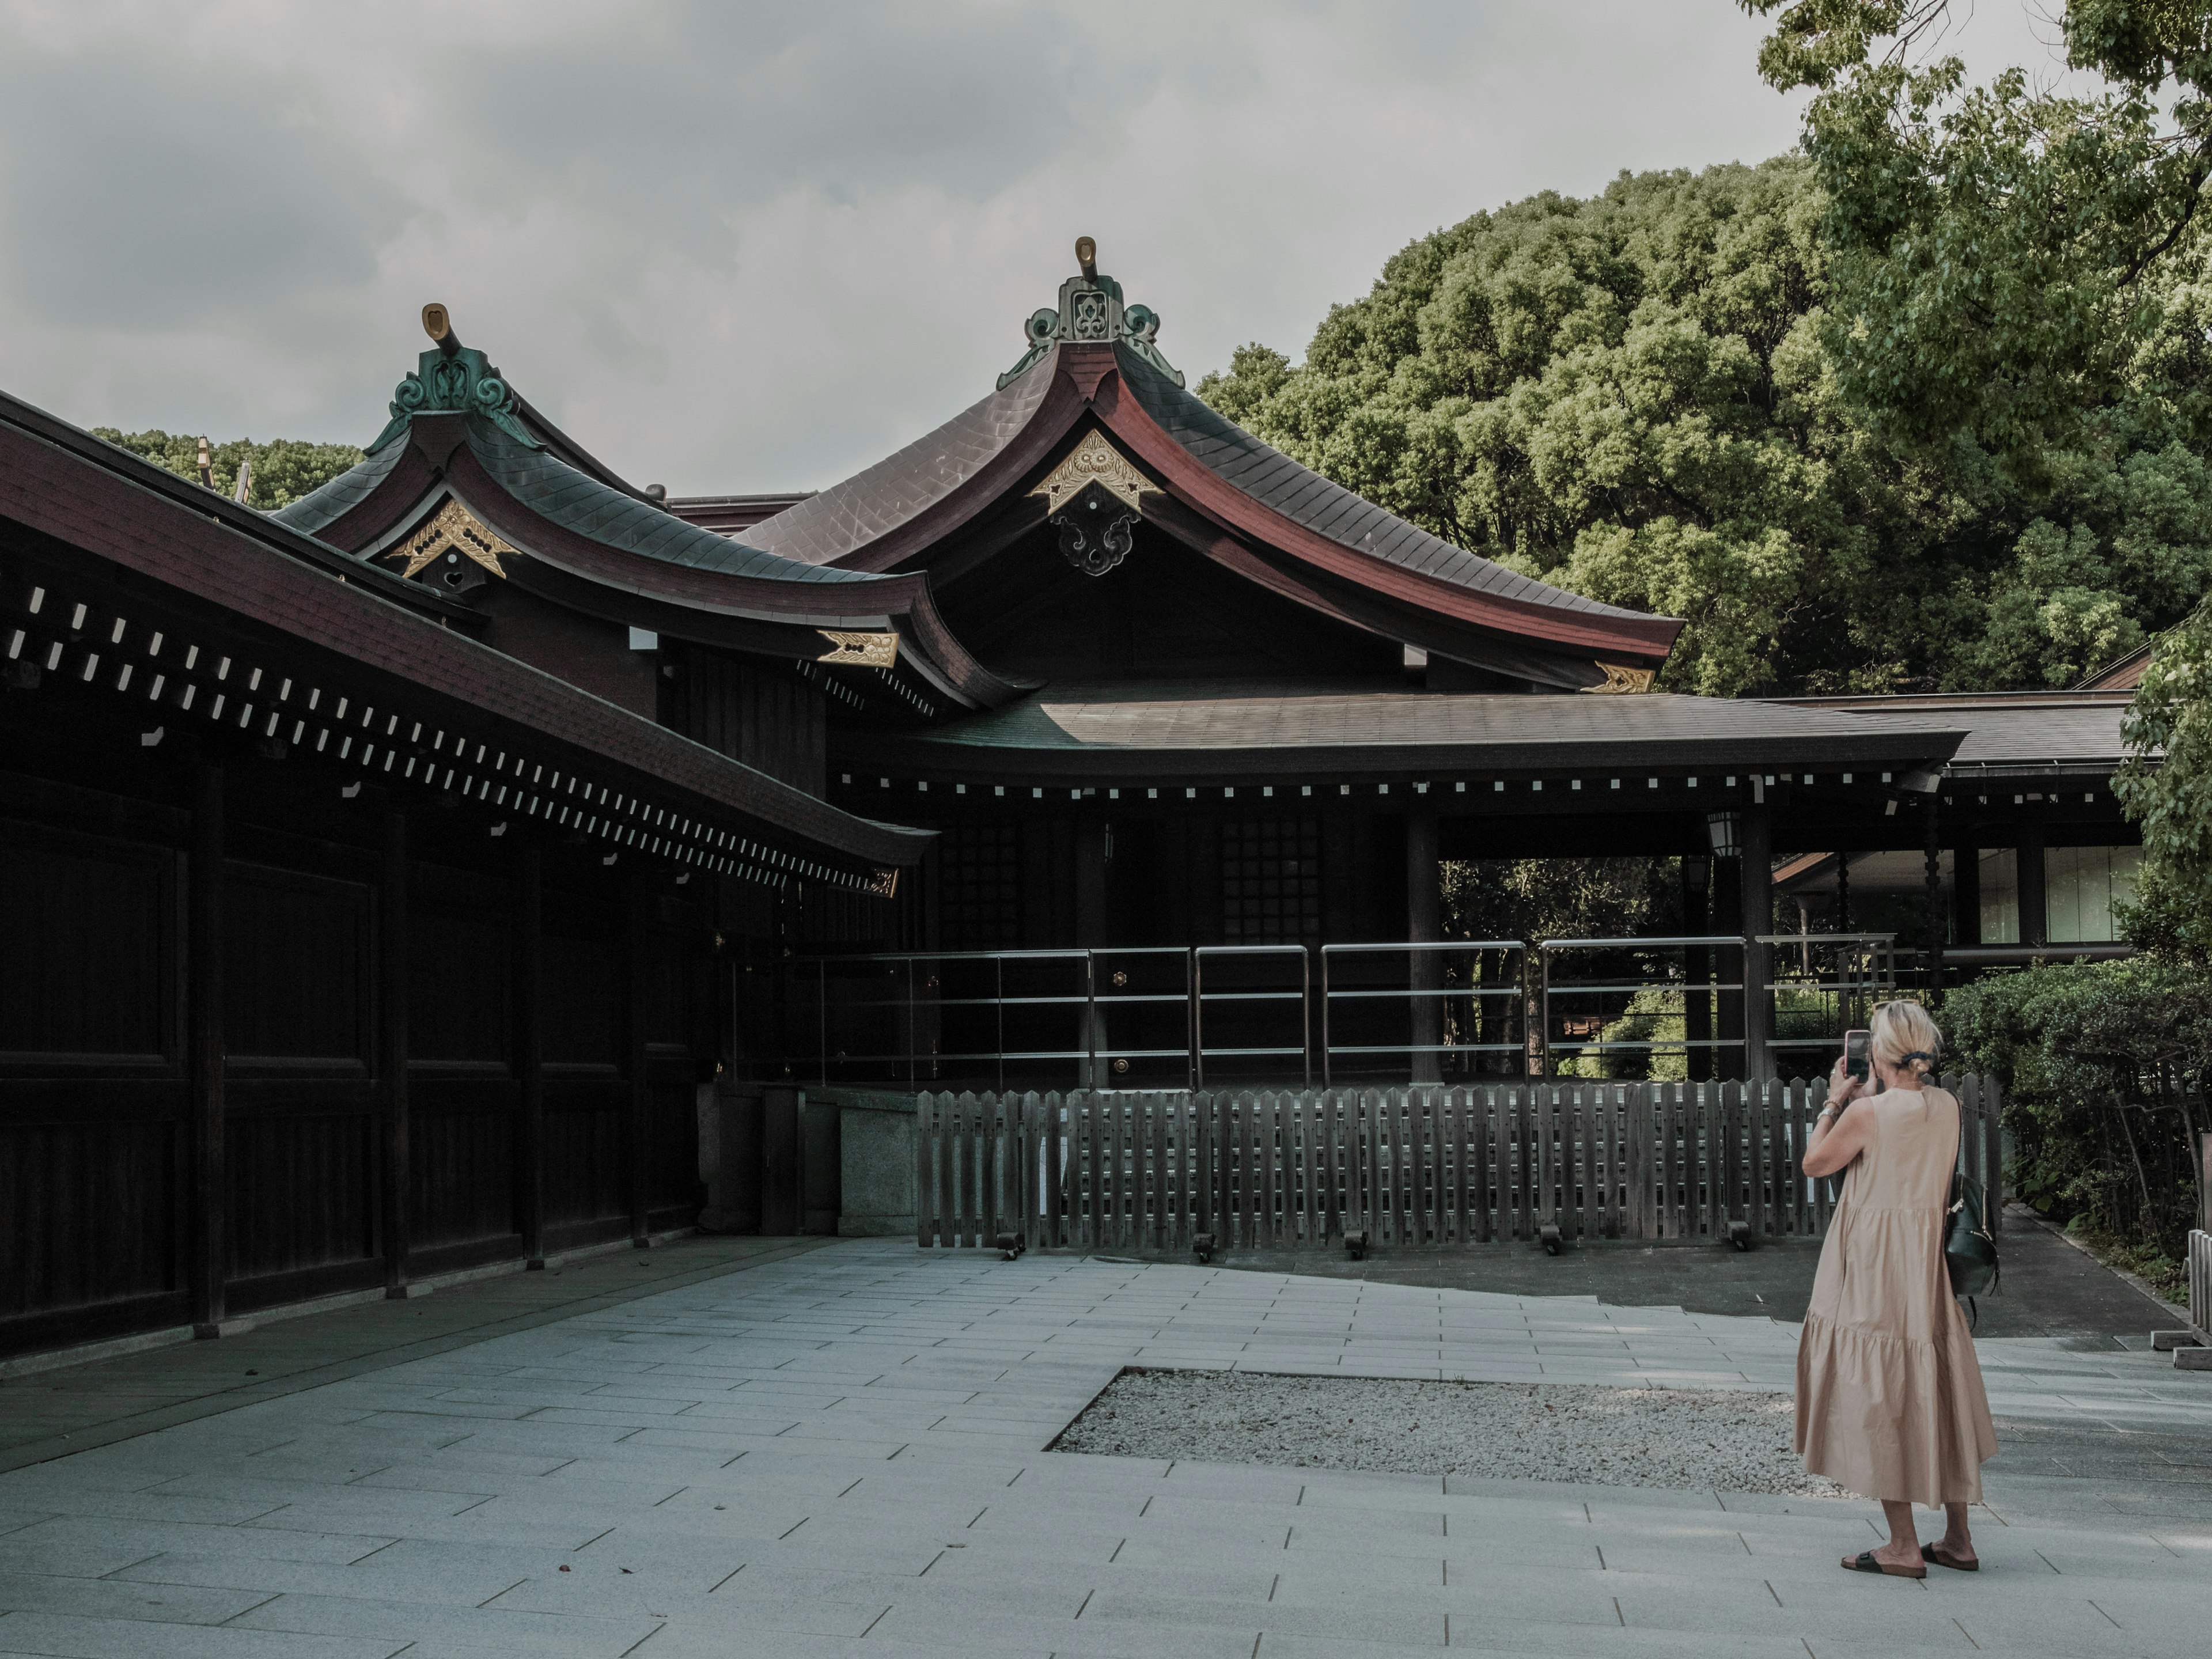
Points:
(1958, 1544)
(1903, 1549)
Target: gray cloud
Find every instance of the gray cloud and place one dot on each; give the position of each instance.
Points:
(132, 196)
(752, 246)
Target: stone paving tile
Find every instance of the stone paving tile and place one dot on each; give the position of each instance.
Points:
(73, 1637)
(839, 1454)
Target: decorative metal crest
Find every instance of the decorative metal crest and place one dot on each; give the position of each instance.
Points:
(1093, 461)
(463, 381)
(859, 650)
(1620, 681)
(1095, 548)
(1091, 310)
(454, 527)
(884, 885)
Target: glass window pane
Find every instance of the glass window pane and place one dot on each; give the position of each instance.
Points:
(2000, 897)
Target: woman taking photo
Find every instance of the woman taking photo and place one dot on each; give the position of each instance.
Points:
(1890, 1402)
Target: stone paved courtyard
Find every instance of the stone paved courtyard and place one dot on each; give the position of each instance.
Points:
(839, 1453)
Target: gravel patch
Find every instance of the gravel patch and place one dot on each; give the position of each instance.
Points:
(1700, 1440)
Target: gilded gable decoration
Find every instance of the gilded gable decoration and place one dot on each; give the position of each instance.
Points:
(859, 650)
(1093, 461)
(454, 528)
(1622, 681)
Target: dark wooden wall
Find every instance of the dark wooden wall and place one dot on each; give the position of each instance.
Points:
(758, 712)
(355, 1059)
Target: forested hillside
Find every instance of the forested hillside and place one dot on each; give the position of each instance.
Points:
(1634, 396)
(284, 469)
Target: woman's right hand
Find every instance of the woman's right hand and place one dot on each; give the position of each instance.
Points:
(1842, 1085)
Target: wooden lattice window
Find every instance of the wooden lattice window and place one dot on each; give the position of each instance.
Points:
(1271, 882)
(982, 907)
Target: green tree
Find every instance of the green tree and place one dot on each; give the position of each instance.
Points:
(2010, 260)
(284, 469)
(1639, 397)
(2166, 787)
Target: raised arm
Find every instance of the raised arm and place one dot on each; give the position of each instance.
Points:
(1840, 1133)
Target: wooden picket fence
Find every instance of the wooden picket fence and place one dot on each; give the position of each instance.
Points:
(1297, 1169)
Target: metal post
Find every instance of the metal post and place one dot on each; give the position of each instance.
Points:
(1198, 1015)
(1757, 912)
(1305, 1012)
(1542, 1046)
(1189, 1017)
(821, 1017)
(1090, 1018)
(1325, 1069)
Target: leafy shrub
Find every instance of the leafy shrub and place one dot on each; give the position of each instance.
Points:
(2093, 1057)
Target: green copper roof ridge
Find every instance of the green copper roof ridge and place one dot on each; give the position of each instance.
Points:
(455, 379)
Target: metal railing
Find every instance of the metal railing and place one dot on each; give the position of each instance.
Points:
(1187, 1017)
(1479, 996)
(1098, 1015)
(1200, 955)
(1823, 985)
(1577, 1010)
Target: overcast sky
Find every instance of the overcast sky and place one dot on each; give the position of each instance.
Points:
(736, 246)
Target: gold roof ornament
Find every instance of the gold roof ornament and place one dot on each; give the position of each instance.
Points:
(454, 527)
(859, 650)
(1622, 681)
(1093, 461)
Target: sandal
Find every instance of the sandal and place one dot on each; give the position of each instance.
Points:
(1928, 1552)
(1866, 1563)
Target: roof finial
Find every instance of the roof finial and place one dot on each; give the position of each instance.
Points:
(437, 324)
(1090, 313)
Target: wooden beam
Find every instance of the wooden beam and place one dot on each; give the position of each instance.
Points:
(392, 983)
(204, 1046)
(529, 1040)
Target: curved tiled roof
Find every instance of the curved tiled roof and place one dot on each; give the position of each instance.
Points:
(556, 491)
(1304, 497)
(872, 503)
(550, 486)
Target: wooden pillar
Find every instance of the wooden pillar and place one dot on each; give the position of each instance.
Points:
(637, 981)
(1424, 925)
(2027, 874)
(1933, 921)
(203, 971)
(391, 983)
(1698, 966)
(1756, 874)
(529, 981)
(1966, 887)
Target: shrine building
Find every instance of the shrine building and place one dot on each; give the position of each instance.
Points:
(394, 882)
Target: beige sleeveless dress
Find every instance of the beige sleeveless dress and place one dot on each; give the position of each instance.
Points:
(1890, 1403)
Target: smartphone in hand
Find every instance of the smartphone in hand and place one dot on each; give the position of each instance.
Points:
(1858, 1051)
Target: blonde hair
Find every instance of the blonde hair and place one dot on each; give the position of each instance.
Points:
(1903, 1031)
